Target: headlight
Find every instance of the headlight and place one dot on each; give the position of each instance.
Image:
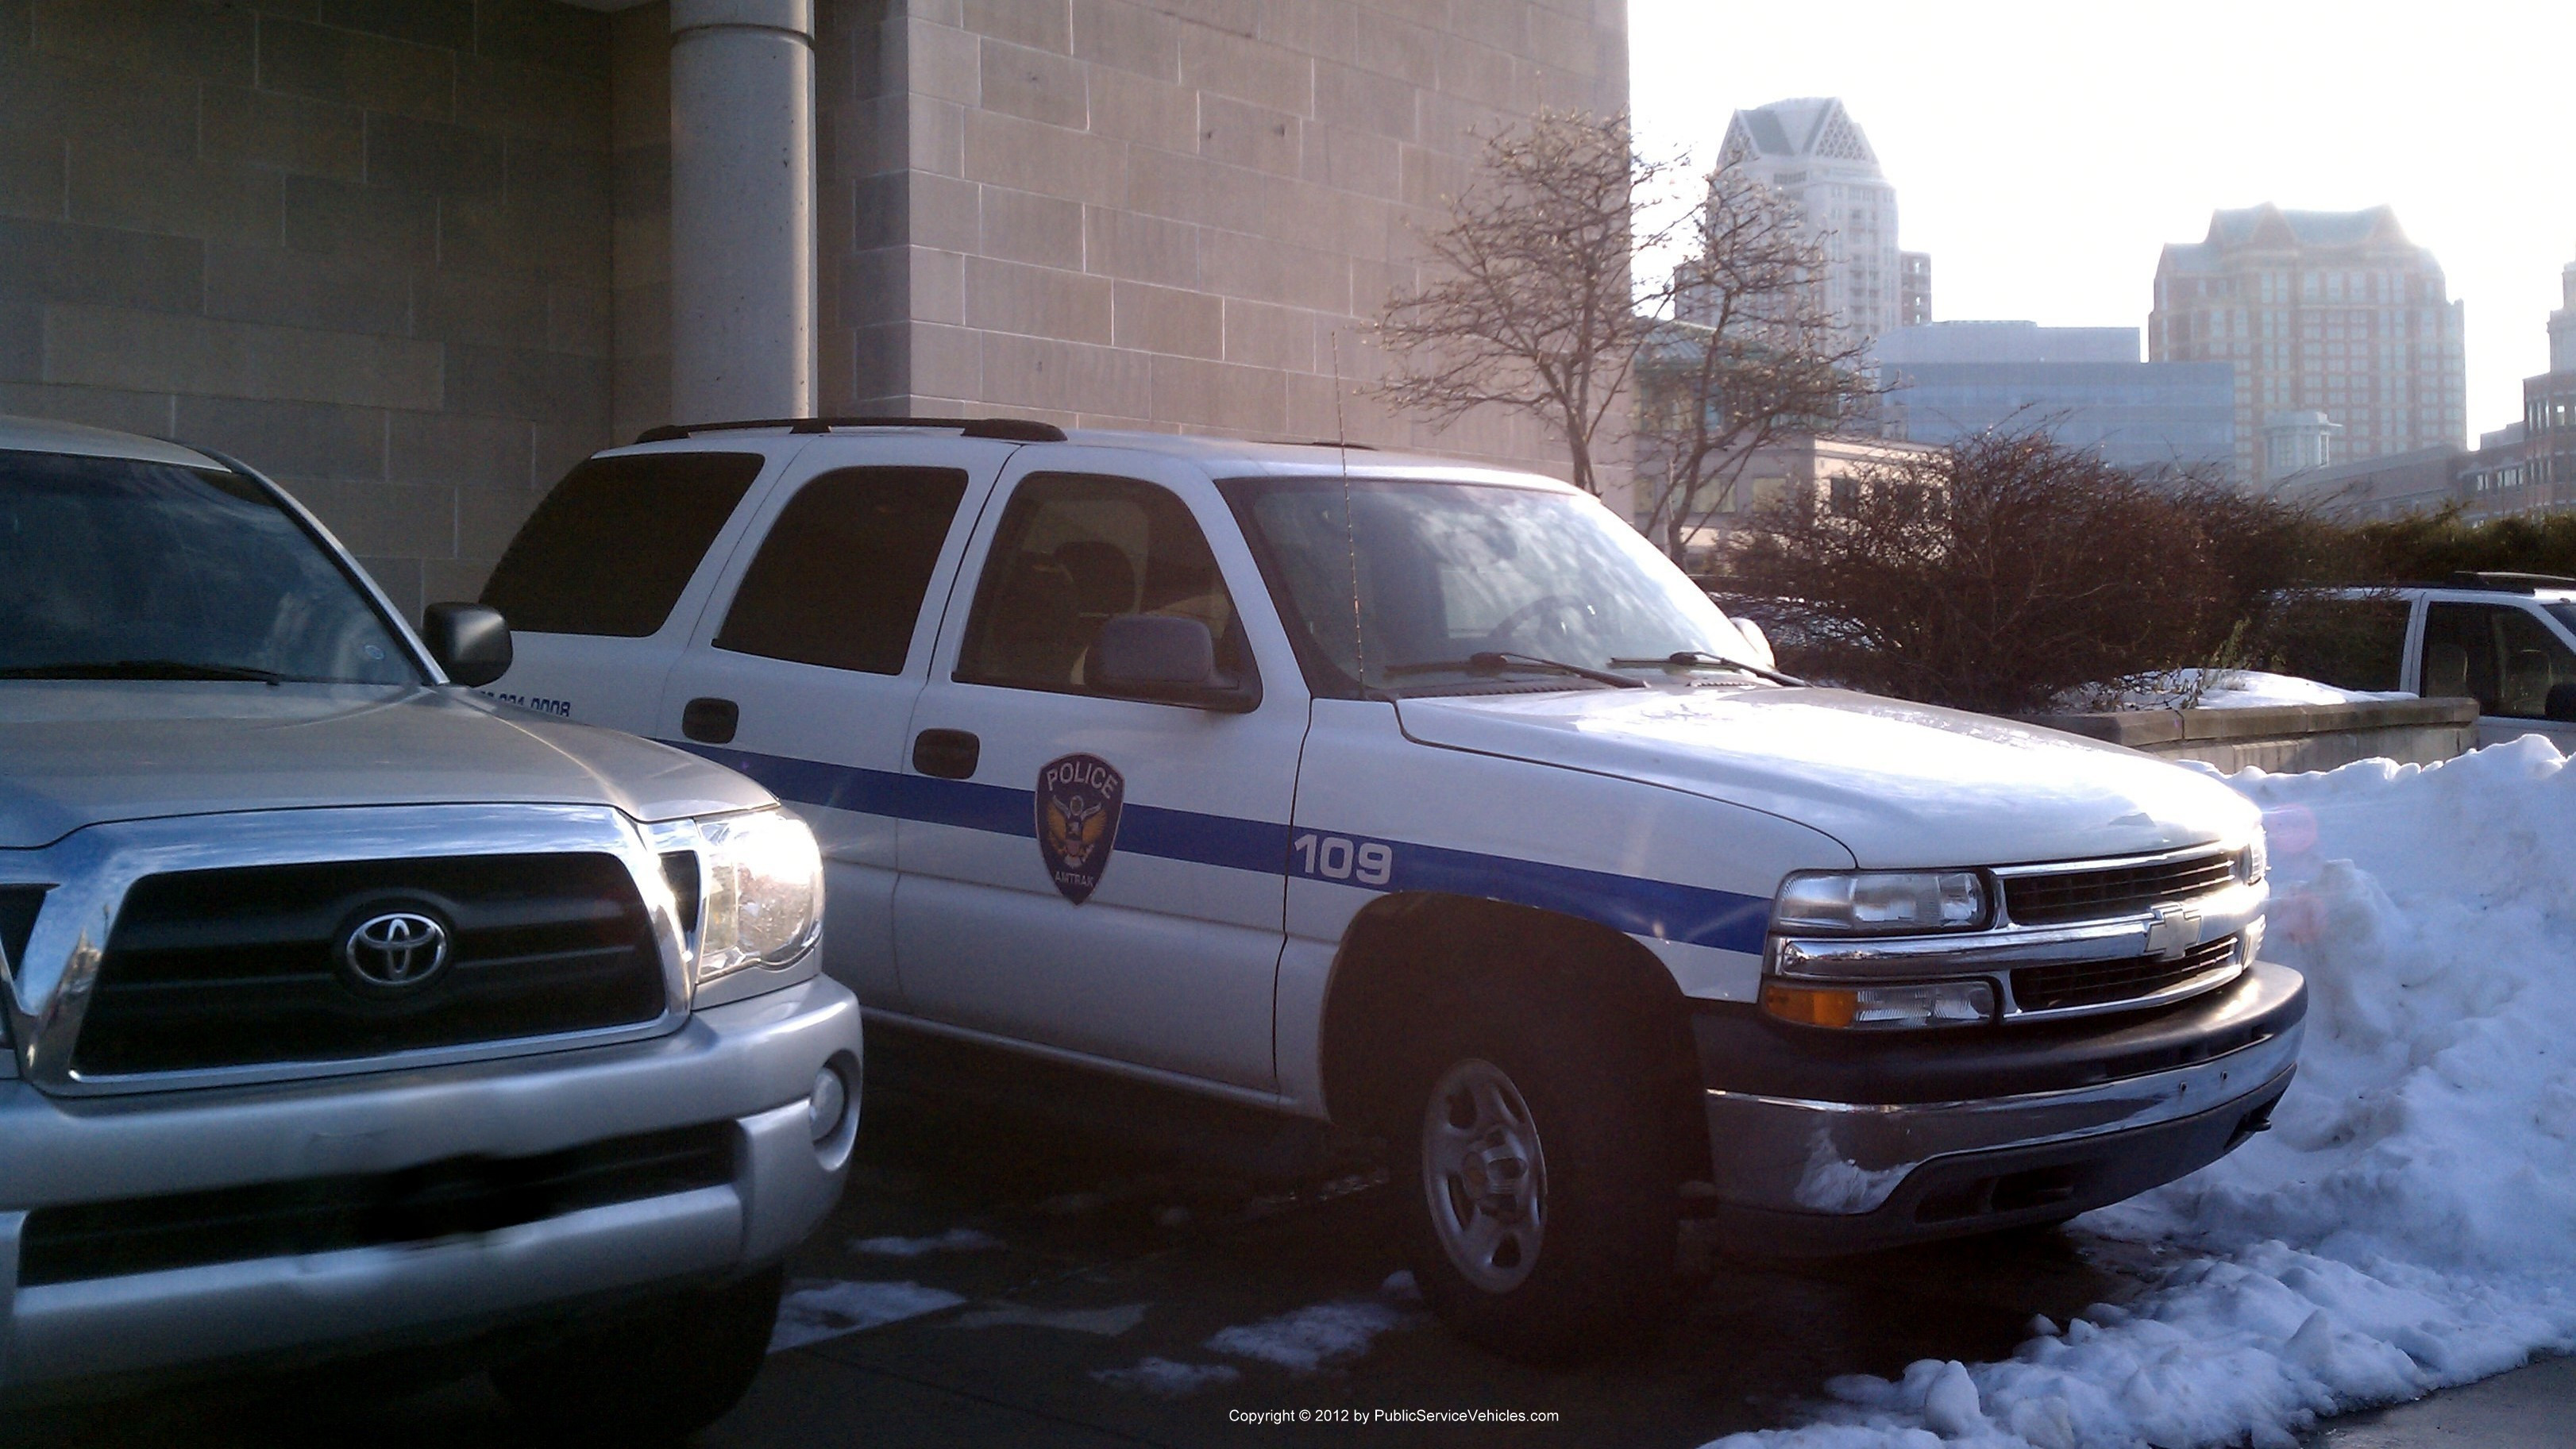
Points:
(761, 892)
(1880, 902)
(2251, 861)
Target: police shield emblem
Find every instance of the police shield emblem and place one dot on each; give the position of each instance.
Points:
(1078, 801)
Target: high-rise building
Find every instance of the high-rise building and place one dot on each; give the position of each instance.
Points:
(2333, 312)
(2083, 385)
(2549, 411)
(1913, 288)
(2562, 324)
(1814, 155)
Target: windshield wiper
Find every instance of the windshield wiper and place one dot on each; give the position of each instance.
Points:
(143, 669)
(1489, 661)
(1702, 659)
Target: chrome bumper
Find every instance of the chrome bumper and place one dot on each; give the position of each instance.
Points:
(1801, 1175)
(750, 1064)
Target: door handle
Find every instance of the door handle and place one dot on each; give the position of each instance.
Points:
(710, 721)
(948, 754)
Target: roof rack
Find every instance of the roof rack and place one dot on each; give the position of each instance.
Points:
(1008, 430)
(2511, 583)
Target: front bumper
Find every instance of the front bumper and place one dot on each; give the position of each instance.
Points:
(747, 1067)
(1866, 1157)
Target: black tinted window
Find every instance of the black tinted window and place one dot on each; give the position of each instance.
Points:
(612, 546)
(839, 580)
(2500, 655)
(112, 568)
(2348, 643)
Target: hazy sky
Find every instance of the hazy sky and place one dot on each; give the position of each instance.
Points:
(2042, 153)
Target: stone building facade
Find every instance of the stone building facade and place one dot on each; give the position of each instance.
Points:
(414, 257)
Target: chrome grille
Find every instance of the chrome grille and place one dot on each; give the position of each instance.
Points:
(2054, 897)
(238, 966)
(2099, 983)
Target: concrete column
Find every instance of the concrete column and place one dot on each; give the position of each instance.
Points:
(742, 209)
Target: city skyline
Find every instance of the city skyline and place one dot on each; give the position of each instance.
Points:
(2045, 165)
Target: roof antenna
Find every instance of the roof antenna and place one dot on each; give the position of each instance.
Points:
(1350, 528)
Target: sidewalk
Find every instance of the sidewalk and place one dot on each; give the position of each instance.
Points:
(2529, 1408)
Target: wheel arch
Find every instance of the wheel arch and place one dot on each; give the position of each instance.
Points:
(1415, 958)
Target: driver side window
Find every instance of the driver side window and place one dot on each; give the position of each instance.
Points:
(1073, 551)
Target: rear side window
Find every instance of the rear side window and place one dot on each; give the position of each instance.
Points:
(613, 545)
(839, 581)
(2348, 643)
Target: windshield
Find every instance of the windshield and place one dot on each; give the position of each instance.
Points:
(112, 568)
(1450, 571)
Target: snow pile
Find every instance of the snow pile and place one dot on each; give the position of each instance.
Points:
(2230, 689)
(2410, 1222)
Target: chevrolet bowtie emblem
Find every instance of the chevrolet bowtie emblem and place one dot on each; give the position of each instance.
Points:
(2171, 931)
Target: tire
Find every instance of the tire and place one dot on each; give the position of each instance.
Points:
(653, 1373)
(1543, 1211)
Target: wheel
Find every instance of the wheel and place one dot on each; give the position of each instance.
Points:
(1544, 1211)
(656, 1372)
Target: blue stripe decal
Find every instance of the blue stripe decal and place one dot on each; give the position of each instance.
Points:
(1690, 915)
(1187, 835)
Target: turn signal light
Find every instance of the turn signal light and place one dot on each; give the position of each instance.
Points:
(1931, 1003)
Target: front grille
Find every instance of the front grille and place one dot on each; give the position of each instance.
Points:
(241, 966)
(2119, 890)
(2100, 983)
(327, 1214)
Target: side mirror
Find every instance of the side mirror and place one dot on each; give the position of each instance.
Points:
(2562, 703)
(470, 641)
(1757, 645)
(1167, 658)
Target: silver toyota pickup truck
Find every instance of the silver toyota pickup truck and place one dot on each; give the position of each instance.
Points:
(348, 1010)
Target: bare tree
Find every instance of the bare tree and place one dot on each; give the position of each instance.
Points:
(1743, 354)
(1530, 304)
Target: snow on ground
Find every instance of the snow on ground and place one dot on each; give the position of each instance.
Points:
(816, 1310)
(2233, 689)
(2410, 1221)
(1303, 1341)
(955, 1240)
(1170, 1380)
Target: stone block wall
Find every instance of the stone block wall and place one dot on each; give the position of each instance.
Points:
(364, 245)
(1163, 213)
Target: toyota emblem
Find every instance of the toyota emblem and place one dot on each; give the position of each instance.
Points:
(396, 949)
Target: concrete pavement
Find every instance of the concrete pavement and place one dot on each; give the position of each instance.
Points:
(1079, 1265)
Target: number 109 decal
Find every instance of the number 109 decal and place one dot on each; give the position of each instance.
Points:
(1336, 857)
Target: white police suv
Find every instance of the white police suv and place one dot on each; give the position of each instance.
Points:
(1428, 800)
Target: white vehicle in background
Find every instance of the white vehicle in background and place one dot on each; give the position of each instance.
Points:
(345, 1012)
(2506, 640)
(1309, 784)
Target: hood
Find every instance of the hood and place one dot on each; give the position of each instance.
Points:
(1898, 784)
(78, 753)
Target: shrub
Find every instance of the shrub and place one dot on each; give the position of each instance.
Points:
(2005, 570)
